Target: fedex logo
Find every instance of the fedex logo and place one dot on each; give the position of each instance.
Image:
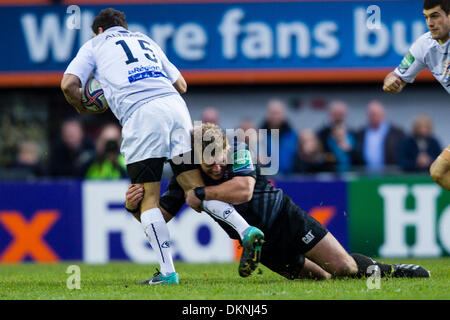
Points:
(74, 220)
(88, 222)
(28, 236)
(40, 221)
(195, 236)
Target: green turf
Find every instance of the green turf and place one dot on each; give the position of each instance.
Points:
(210, 281)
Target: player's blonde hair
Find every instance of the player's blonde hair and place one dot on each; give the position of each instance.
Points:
(209, 136)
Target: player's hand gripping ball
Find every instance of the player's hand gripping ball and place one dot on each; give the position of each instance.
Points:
(93, 97)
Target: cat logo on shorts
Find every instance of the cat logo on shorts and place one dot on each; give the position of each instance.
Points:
(308, 238)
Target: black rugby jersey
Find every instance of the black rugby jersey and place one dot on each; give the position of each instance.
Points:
(261, 211)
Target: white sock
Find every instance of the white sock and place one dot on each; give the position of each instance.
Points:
(158, 235)
(226, 213)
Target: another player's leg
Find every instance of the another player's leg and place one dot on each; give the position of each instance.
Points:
(388, 270)
(189, 177)
(440, 169)
(332, 257)
(281, 257)
(157, 233)
(311, 270)
(134, 196)
(152, 219)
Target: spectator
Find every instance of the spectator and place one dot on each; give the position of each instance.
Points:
(250, 132)
(276, 119)
(337, 114)
(72, 151)
(310, 157)
(341, 144)
(108, 162)
(210, 114)
(247, 125)
(249, 135)
(28, 160)
(419, 150)
(377, 144)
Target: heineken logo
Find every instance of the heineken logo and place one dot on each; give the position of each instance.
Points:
(399, 217)
(242, 160)
(407, 61)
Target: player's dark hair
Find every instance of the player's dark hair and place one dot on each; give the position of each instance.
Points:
(108, 18)
(430, 4)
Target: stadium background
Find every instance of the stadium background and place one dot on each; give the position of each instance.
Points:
(52, 218)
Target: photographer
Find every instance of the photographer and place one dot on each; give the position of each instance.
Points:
(108, 163)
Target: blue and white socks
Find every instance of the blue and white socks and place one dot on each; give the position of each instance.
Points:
(158, 235)
(228, 214)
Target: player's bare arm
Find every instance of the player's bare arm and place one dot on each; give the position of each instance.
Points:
(180, 85)
(70, 86)
(235, 191)
(393, 83)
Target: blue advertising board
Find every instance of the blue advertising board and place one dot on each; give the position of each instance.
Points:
(40, 221)
(73, 220)
(226, 41)
(326, 201)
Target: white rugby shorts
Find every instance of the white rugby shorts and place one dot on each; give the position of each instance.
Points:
(159, 128)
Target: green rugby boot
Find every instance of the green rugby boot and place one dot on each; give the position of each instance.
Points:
(251, 253)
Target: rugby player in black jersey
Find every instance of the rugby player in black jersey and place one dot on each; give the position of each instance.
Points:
(296, 245)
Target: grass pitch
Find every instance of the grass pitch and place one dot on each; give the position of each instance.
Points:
(215, 281)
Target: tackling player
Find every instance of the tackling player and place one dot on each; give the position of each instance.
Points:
(296, 245)
(431, 50)
(142, 88)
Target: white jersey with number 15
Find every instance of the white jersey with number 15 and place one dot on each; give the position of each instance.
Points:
(131, 68)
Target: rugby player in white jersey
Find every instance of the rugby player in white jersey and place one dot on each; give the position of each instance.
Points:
(142, 88)
(431, 51)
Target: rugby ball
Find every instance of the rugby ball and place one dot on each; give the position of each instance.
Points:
(93, 97)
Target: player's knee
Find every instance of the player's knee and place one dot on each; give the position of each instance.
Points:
(319, 276)
(322, 275)
(346, 267)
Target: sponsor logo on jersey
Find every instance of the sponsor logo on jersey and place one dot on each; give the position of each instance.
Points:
(407, 61)
(308, 238)
(242, 161)
(146, 75)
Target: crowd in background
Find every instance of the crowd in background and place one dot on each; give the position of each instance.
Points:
(73, 154)
(375, 148)
(379, 147)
